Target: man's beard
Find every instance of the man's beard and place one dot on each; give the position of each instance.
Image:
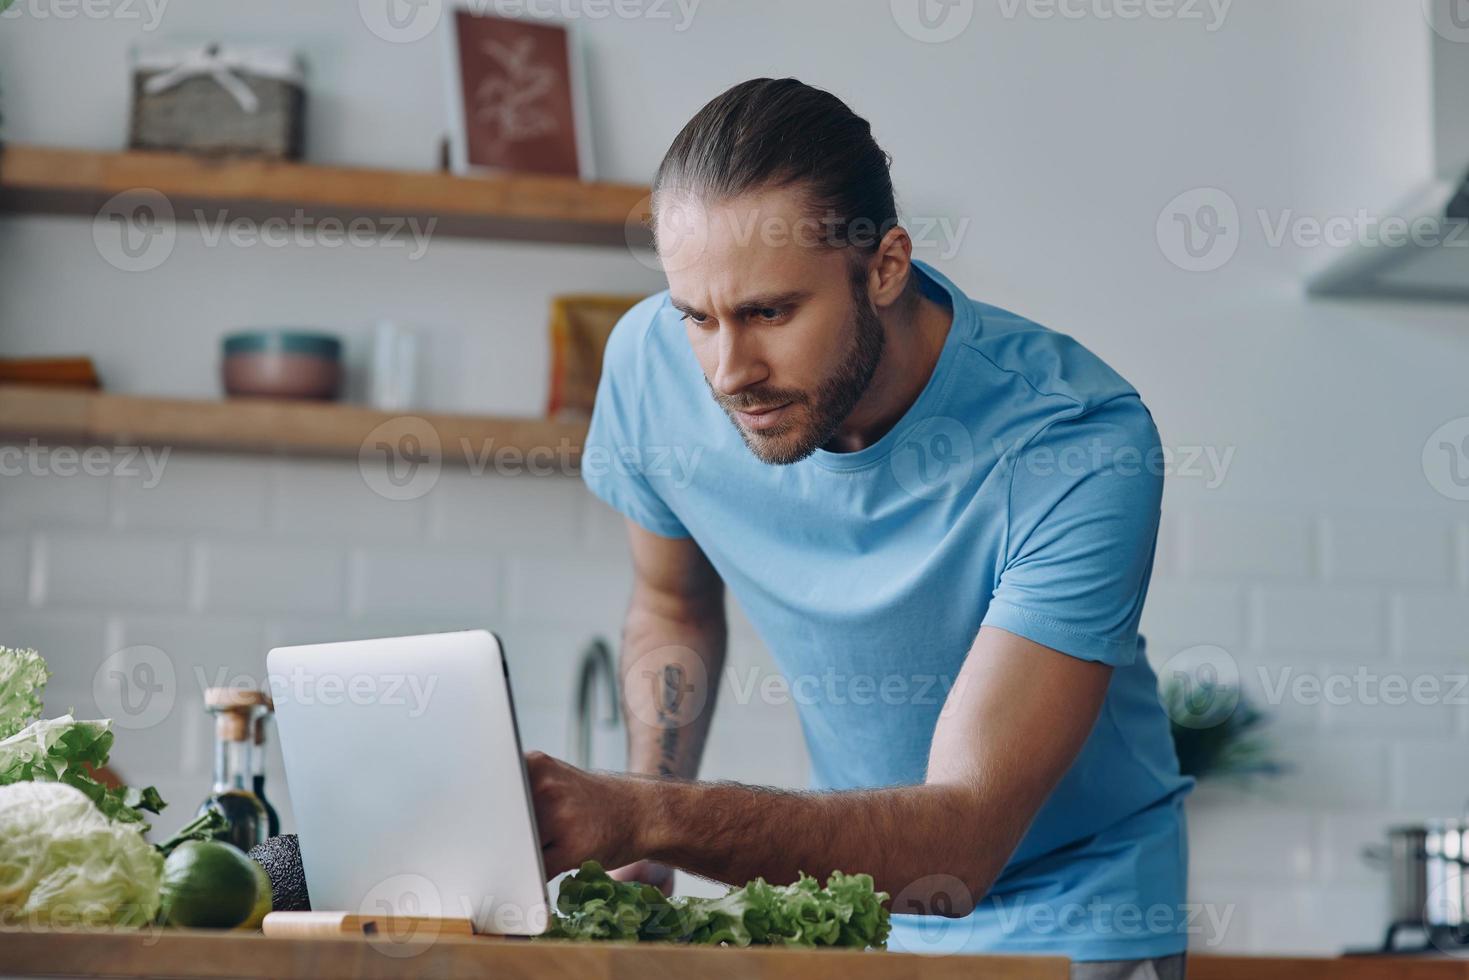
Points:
(813, 418)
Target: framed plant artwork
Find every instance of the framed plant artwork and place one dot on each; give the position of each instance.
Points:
(516, 95)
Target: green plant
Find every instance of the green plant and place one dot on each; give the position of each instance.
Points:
(1216, 731)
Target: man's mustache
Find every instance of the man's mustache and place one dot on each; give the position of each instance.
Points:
(757, 398)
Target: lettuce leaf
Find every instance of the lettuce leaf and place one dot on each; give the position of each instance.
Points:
(60, 750)
(23, 677)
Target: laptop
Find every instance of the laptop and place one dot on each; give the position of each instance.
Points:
(407, 780)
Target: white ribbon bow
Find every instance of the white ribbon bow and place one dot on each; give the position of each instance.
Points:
(223, 65)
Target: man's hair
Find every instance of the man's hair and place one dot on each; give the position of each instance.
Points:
(780, 132)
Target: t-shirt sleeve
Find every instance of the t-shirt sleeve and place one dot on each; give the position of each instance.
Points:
(1085, 497)
(618, 441)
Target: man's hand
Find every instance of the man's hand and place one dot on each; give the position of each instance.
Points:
(584, 816)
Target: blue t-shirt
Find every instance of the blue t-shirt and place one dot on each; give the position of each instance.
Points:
(1020, 490)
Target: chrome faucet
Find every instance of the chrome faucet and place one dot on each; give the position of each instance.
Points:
(596, 661)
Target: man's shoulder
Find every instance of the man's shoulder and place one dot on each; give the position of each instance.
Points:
(1052, 365)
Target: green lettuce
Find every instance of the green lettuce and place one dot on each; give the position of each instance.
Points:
(848, 912)
(63, 864)
(23, 677)
(58, 750)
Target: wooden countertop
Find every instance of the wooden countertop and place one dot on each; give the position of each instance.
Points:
(199, 954)
(202, 954)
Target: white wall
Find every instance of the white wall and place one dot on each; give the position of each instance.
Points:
(1324, 549)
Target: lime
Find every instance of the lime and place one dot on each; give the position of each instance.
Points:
(209, 884)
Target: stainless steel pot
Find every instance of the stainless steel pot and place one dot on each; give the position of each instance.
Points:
(1428, 880)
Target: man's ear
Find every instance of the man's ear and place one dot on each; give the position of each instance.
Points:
(890, 268)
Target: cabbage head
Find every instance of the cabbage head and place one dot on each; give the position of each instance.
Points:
(65, 865)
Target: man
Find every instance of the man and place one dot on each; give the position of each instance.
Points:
(901, 486)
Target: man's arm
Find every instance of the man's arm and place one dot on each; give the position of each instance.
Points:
(673, 645)
(1013, 723)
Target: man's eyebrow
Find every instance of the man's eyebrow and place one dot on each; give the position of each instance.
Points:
(748, 305)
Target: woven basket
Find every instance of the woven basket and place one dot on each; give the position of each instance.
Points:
(197, 114)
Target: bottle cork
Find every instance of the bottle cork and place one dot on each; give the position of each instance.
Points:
(234, 708)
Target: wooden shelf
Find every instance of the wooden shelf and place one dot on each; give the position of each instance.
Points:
(503, 445)
(524, 207)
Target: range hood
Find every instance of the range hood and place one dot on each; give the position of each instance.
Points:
(1434, 264)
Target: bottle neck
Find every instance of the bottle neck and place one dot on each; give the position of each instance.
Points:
(232, 761)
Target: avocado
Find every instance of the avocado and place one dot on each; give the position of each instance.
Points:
(281, 859)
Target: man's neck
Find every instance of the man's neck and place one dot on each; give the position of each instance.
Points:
(913, 341)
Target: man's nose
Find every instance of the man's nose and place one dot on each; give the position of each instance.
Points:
(739, 364)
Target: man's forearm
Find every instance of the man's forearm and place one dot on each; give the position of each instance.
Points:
(671, 663)
(939, 847)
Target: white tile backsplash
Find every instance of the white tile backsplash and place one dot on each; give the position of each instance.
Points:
(99, 569)
(1334, 621)
(194, 491)
(1391, 548)
(257, 576)
(1230, 543)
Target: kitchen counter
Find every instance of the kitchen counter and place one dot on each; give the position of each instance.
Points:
(195, 954)
(199, 954)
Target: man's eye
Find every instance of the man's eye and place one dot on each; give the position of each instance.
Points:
(695, 319)
(769, 313)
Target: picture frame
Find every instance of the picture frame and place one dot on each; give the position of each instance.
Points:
(516, 91)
